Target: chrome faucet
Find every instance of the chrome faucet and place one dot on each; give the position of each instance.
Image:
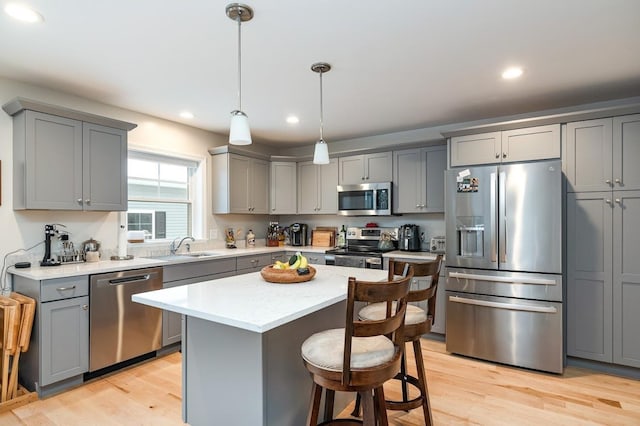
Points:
(173, 248)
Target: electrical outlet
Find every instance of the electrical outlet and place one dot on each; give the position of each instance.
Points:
(213, 234)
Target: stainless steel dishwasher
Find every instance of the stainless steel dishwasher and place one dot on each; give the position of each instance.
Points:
(120, 329)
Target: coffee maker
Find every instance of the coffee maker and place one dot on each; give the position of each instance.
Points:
(409, 238)
(298, 234)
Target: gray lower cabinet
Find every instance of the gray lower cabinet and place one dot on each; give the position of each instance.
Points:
(312, 257)
(189, 273)
(253, 263)
(603, 276)
(58, 352)
(67, 164)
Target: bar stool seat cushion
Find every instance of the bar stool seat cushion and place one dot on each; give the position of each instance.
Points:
(378, 311)
(326, 350)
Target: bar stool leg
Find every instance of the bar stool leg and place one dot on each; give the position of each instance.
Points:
(314, 406)
(329, 396)
(403, 377)
(368, 411)
(381, 405)
(356, 408)
(422, 377)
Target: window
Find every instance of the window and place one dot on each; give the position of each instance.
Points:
(161, 201)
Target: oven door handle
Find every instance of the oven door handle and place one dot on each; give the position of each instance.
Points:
(502, 305)
(510, 280)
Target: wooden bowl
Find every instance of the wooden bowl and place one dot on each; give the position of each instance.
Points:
(286, 276)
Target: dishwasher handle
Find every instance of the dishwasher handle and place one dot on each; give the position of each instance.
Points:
(132, 279)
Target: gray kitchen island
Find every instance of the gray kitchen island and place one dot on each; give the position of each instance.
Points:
(241, 360)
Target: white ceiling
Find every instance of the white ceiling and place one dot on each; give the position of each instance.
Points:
(396, 65)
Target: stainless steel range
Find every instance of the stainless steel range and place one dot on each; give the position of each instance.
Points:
(363, 248)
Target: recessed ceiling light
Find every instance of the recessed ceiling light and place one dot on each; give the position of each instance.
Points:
(511, 73)
(186, 114)
(292, 119)
(23, 13)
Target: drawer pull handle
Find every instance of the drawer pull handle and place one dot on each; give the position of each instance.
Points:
(500, 305)
(73, 287)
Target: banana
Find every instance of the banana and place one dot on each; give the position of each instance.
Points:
(296, 264)
(303, 262)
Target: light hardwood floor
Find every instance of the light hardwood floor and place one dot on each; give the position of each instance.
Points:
(463, 392)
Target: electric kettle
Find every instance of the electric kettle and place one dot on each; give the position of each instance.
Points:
(409, 237)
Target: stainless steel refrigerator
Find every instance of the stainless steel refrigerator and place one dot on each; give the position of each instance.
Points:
(504, 264)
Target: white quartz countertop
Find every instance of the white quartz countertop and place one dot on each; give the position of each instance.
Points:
(36, 272)
(249, 302)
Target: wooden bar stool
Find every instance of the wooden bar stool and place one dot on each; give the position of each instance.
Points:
(360, 357)
(417, 322)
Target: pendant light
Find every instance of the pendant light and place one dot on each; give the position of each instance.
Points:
(239, 133)
(321, 151)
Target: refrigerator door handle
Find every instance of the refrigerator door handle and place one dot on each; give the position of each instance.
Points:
(492, 214)
(509, 280)
(501, 305)
(502, 194)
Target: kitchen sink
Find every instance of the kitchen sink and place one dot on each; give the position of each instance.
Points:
(197, 255)
(200, 254)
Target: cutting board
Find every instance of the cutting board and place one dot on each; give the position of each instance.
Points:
(322, 238)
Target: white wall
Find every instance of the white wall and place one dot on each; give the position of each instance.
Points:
(22, 229)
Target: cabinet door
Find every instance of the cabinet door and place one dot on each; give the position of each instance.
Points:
(104, 152)
(532, 143)
(283, 188)
(435, 163)
(626, 278)
(351, 170)
(239, 181)
(64, 339)
(378, 167)
(482, 148)
(589, 159)
(259, 188)
(53, 162)
(328, 187)
(307, 188)
(589, 275)
(407, 181)
(626, 152)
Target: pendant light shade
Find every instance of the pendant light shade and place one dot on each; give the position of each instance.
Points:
(321, 150)
(321, 153)
(239, 132)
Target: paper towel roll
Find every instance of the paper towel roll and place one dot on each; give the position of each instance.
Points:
(122, 235)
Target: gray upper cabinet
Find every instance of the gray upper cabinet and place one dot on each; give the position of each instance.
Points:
(602, 154)
(418, 180)
(240, 184)
(317, 188)
(376, 167)
(531, 143)
(67, 160)
(283, 196)
(66, 164)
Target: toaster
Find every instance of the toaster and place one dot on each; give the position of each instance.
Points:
(437, 245)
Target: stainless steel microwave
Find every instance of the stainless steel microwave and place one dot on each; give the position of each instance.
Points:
(365, 199)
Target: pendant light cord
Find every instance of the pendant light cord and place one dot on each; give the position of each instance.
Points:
(239, 19)
(321, 109)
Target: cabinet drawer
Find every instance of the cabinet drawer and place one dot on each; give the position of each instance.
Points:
(247, 262)
(64, 288)
(197, 269)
